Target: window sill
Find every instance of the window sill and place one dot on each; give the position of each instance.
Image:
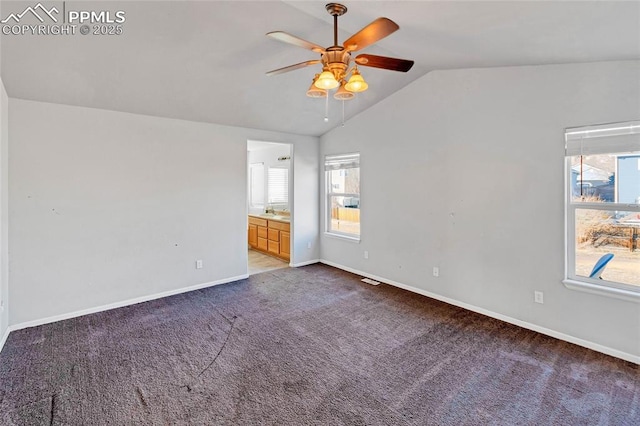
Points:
(616, 293)
(343, 237)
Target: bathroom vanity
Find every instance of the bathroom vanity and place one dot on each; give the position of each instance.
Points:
(270, 234)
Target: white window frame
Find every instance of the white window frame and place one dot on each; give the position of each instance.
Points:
(613, 138)
(349, 160)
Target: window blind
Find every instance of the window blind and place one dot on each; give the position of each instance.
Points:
(278, 185)
(606, 138)
(343, 161)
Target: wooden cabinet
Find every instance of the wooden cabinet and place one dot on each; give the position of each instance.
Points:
(274, 241)
(270, 236)
(274, 247)
(262, 232)
(285, 244)
(258, 233)
(282, 226)
(257, 221)
(274, 234)
(253, 235)
(262, 244)
(262, 237)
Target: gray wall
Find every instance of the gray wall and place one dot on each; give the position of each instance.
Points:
(4, 196)
(4, 264)
(464, 170)
(107, 207)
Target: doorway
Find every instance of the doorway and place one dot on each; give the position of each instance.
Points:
(269, 219)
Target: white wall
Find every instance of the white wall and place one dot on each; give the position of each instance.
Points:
(105, 206)
(463, 170)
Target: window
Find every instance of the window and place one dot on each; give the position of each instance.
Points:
(256, 185)
(603, 206)
(342, 174)
(278, 185)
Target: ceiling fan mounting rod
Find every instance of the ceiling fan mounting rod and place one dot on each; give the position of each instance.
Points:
(335, 10)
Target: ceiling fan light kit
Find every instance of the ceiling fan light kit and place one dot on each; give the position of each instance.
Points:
(336, 59)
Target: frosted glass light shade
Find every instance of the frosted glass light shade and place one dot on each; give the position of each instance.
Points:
(356, 83)
(314, 92)
(327, 81)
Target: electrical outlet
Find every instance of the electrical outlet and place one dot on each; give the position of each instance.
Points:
(366, 254)
(309, 245)
(436, 271)
(198, 264)
(1, 305)
(538, 297)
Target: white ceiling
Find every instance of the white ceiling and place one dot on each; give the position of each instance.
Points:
(205, 61)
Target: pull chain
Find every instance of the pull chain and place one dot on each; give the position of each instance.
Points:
(326, 108)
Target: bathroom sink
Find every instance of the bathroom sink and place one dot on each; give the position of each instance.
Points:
(275, 217)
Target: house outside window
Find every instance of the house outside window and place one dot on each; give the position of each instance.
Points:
(603, 208)
(342, 174)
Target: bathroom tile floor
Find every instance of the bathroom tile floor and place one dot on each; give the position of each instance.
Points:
(259, 262)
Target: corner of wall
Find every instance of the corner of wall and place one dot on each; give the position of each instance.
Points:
(444, 125)
(4, 190)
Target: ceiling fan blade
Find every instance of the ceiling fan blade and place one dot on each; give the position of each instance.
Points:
(384, 62)
(294, 67)
(296, 41)
(377, 30)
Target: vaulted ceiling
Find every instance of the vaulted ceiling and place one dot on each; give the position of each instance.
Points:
(206, 60)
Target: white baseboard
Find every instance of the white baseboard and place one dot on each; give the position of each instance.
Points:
(558, 335)
(4, 338)
(553, 333)
(121, 304)
(308, 262)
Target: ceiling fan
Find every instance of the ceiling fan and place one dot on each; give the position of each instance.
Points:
(335, 59)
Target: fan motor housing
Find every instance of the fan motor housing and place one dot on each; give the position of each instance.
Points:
(337, 60)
